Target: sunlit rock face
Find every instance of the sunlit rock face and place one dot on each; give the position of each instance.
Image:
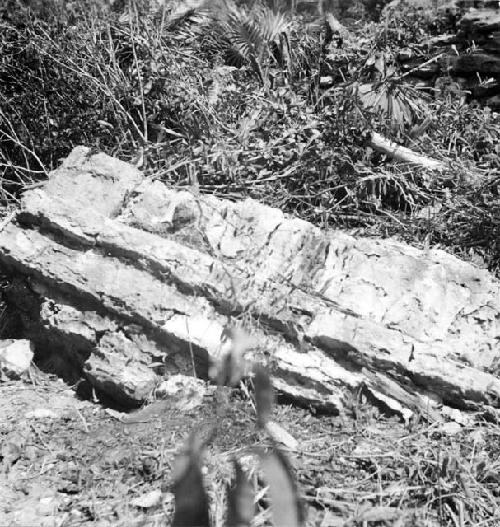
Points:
(129, 281)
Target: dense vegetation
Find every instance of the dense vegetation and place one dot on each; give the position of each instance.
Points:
(229, 96)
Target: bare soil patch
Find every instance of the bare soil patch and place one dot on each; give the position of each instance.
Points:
(66, 461)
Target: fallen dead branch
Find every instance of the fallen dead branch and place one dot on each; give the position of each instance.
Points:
(402, 153)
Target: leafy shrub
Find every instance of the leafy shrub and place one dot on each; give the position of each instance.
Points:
(229, 95)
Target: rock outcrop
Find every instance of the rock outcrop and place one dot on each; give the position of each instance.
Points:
(480, 29)
(469, 51)
(123, 281)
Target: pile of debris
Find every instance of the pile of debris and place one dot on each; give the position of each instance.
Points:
(464, 60)
(480, 29)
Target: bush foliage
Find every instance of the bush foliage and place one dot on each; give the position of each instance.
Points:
(230, 96)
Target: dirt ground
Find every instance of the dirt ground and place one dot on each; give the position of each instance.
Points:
(67, 461)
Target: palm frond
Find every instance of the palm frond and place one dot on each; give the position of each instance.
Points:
(399, 104)
(188, 12)
(272, 25)
(245, 35)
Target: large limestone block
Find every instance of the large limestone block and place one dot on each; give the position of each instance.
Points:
(152, 276)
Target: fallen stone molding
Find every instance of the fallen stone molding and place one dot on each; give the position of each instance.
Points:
(127, 281)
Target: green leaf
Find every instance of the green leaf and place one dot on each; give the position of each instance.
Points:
(264, 395)
(191, 500)
(286, 508)
(241, 500)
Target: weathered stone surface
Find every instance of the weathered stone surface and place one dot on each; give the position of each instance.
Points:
(489, 89)
(106, 181)
(15, 358)
(182, 392)
(146, 283)
(492, 43)
(480, 21)
(494, 102)
(126, 382)
(477, 63)
(478, 28)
